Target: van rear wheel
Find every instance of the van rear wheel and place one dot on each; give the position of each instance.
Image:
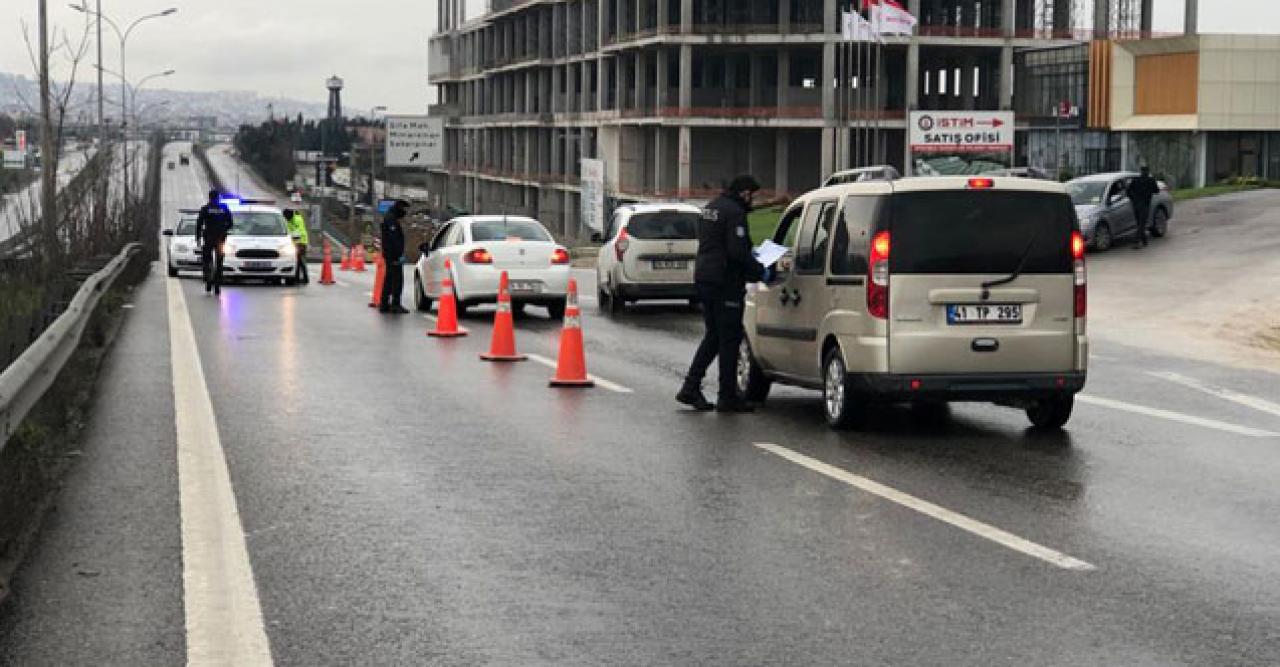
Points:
(1048, 414)
(753, 385)
(837, 395)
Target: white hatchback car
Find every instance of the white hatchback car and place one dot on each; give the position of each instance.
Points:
(259, 246)
(480, 248)
(649, 254)
(181, 251)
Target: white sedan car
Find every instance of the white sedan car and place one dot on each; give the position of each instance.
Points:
(480, 248)
(181, 252)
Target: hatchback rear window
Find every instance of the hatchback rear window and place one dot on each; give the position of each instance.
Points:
(664, 226)
(981, 232)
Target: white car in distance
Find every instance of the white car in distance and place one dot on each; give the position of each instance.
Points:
(181, 251)
(479, 248)
(648, 253)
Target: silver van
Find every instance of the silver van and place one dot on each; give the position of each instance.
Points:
(925, 290)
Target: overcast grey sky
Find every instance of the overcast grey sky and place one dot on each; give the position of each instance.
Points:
(289, 47)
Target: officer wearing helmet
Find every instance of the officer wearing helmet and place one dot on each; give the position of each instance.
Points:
(213, 224)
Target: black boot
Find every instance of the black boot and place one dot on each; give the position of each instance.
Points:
(733, 405)
(691, 395)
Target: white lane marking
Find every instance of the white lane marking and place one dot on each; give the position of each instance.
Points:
(965, 523)
(611, 386)
(550, 363)
(223, 615)
(1246, 400)
(1176, 416)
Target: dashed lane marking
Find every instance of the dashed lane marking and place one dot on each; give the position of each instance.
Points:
(1176, 416)
(965, 523)
(611, 386)
(549, 363)
(1254, 402)
(220, 600)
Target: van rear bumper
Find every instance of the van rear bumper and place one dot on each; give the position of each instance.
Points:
(657, 290)
(967, 387)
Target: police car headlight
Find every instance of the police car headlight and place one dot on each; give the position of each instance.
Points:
(288, 250)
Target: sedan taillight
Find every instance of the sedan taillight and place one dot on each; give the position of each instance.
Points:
(559, 256)
(478, 256)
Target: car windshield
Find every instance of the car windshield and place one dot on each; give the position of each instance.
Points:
(981, 232)
(186, 227)
(508, 230)
(664, 226)
(1086, 192)
(258, 223)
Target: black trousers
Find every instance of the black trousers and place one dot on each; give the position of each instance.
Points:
(392, 284)
(722, 316)
(211, 259)
(1142, 215)
(300, 272)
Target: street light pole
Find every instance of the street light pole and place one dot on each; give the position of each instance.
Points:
(123, 35)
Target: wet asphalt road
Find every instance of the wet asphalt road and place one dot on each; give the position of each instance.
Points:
(405, 503)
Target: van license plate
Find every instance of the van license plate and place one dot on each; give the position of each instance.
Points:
(670, 265)
(993, 313)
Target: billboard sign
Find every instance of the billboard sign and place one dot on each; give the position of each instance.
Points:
(15, 159)
(592, 183)
(415, 141)
(961, 131)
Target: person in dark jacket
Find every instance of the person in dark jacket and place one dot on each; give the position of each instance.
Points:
(213, 224)
(724, 265)
(393, 256)
(1141, 190)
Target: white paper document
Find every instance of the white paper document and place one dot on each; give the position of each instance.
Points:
(769, 253)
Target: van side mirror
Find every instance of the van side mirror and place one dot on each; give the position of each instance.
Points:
(168, 232)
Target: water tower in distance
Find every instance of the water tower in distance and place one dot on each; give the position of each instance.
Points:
(335, 97)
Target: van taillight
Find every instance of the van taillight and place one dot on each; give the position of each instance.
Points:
(620, 245)
(878, 277)
(1081, 274)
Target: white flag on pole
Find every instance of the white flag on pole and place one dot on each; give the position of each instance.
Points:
(889, 17)
(854, 28)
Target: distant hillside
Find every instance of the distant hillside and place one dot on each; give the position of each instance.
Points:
(232, 108)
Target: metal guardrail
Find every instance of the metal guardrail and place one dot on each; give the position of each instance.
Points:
(26, 380)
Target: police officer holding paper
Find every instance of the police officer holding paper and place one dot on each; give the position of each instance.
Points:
(724, 266)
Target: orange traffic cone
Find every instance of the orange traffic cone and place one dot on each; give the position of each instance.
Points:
(326, 268)
(375, 298)
(571, 367)
(502, 347)
(357, 261)
(447, 321)
(346, 260)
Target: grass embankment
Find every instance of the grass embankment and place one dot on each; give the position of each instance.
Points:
(762, 223)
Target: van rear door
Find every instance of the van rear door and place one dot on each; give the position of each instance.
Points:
(945, 245)
(665, 244)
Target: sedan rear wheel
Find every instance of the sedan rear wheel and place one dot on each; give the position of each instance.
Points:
(1102, 239)
(1159, 223)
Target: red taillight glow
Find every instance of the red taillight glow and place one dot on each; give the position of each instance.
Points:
(1081, 274)
(878, 277)
(621, 244)
(1077, 245)
(981, 183)
(559, 256)
(478, 256)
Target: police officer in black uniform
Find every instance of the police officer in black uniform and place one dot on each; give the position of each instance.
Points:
(212, 226)
(1141, 190)
(393, 256)
(724, 266)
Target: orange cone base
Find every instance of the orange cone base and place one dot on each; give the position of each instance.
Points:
(581, 384)
(503, 357)
(448, 334)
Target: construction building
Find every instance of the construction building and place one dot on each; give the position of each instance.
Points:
(676, 96)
